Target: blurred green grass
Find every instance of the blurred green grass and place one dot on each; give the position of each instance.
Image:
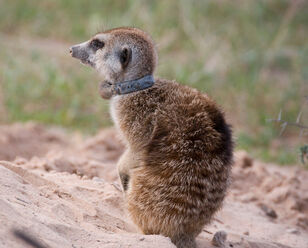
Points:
(250, 56)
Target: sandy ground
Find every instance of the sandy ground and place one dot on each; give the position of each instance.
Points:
(62, 190)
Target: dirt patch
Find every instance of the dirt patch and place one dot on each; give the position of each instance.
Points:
(63, 191)
(278, 191)
(28, 140)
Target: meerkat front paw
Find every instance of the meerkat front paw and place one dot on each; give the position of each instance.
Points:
(125, 165)
(105, 90)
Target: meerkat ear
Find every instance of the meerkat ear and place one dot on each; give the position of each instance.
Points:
(125, 56)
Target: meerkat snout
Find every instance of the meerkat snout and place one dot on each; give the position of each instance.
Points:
(85, 51)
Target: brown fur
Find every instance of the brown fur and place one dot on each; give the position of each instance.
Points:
(178, 162)
(176, 168)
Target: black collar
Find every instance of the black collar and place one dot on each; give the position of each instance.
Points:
(126, 87)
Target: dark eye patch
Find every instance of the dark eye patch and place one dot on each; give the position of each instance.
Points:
(97, 44)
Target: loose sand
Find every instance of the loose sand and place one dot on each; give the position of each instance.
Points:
(63, 191)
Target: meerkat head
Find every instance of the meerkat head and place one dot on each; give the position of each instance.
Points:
(119, 54)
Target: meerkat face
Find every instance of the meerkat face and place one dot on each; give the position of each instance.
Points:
(108, 57)
(119, 54)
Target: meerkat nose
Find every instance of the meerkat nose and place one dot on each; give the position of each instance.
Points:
(74, 51)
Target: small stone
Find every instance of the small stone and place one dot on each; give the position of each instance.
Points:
(268, 211)
(219, 239)
(246, 233)
(85, 177)
(97, 179)
(292, 230)
(243, 159)
(141, 239)
(249, 197)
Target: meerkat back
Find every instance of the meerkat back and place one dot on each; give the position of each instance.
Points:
(175, 170)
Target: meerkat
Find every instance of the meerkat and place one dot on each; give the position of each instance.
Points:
(179, 150)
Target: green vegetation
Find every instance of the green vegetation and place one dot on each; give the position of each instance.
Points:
(251, 56)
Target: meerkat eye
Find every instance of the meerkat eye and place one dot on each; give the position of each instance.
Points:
(97, 44)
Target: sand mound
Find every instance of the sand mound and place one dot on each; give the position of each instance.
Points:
(63, 191)
(27, 140)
